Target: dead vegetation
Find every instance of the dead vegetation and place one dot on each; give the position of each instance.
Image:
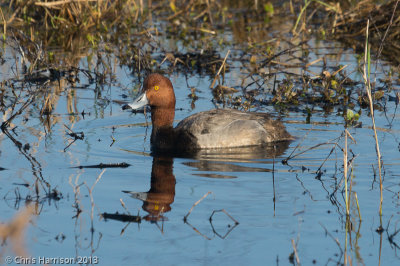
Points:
(131, 30)
(384, 28)
(347, 22)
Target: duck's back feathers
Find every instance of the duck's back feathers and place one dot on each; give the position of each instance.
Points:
(224, 128)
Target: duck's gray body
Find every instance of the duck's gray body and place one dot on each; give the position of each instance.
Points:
(228, 128)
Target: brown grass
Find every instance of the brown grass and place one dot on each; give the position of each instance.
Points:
(384, 27)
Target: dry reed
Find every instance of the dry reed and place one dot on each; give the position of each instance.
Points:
(366, 77)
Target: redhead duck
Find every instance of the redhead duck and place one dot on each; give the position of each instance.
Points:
(219, 128)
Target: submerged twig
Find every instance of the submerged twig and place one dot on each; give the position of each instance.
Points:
(90, 190)
(197, 231)
(295, 252)
(194, 205)
(36, 166)
(284, 161)
(6, 123)
(230, 227)
(227, 214)
(297, 146)
(334, 239)
(75, 135)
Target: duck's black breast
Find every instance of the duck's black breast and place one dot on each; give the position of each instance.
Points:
(172, 141)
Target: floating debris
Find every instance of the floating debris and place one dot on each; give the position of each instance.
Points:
(121, 217)
(105, 165)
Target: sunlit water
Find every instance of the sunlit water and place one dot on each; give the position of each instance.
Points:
(273, 203)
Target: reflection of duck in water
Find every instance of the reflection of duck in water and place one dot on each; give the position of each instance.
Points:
(162, 191)
(215, 129)
(226, 160)
(161, 195)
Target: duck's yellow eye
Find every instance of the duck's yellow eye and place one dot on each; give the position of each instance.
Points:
(156, 88)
